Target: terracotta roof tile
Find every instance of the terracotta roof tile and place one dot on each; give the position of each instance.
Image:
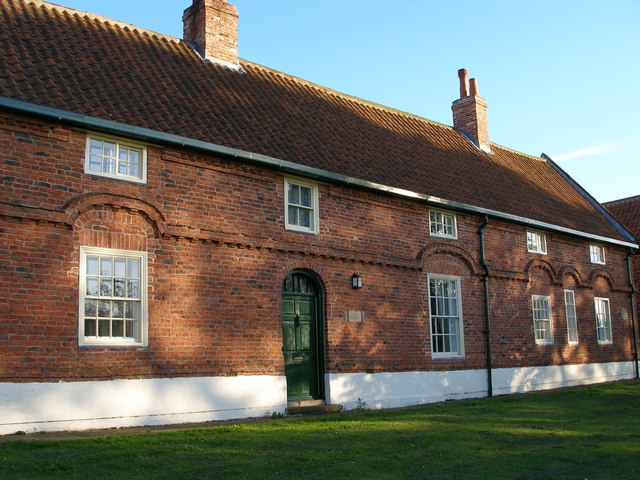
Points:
(627, 212)
(87, 65)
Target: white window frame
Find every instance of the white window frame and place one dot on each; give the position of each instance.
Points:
(313, 209)
(543, 325)
(120, 144)
(596, 253)
(140, 338)
(603, 320)
(438, 224)
(536, 242)
(458, 319)
(572, 318)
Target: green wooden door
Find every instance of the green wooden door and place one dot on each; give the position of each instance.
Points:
(301, 338)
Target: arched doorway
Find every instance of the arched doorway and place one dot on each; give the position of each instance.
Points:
(302, 342)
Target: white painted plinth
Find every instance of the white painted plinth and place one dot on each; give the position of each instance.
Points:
(401, 389)
(35, 407)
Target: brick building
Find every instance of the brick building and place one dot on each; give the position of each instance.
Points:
(190, 236)
(627, 212)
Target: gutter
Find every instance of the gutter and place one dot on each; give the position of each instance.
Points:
(154, 136)
(487, 326)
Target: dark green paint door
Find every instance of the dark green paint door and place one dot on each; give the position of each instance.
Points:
(300, 338)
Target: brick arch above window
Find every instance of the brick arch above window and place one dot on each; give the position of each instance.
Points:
(447, 259)
(78, 206)
(535, 266)
(598, 277)
(569, 274)
(107, 226)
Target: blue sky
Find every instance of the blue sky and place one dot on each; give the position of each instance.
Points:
(560, 76)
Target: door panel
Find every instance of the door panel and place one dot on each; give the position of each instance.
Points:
(299, 323)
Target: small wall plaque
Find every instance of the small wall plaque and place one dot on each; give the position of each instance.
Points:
(355, 316)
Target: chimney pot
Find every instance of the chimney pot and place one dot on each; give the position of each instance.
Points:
(474, 87)
(464, 89)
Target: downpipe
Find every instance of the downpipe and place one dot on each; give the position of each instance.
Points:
(487, 329)
(633, 313)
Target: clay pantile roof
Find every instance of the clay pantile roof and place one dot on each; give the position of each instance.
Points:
(99, 68)
(627, 212)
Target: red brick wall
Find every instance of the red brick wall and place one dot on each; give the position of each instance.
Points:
(218, 251)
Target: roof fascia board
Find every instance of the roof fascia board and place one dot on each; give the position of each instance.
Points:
(140, 133)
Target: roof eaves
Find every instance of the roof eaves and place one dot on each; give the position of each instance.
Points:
(109, 126)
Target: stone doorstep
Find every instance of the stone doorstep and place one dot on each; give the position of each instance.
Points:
(311, 407)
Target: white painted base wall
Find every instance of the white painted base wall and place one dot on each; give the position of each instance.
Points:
(402, 389)
(518, 380)
(39, 407)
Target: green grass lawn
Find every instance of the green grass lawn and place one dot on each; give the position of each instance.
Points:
(581, 433)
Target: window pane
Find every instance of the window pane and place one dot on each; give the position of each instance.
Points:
(453, 327)
(133, 268)
(305, 196)
(117, 328)
(134, 169)
(435, 326)
(106, 287)
(134, 156)
(106, 266)
(130, 310)
(104, 308)
(122, 154)
(90, 328)
(453, 307)
(109, 149)
(293, 216)
(92, 265)
(117, 309)
(120, 267)
(103, 328)
(92, 286)
(90, 308)
(122, 168)
(294, 194)
(449, 225)
(133, 287)
(95, 146)
(108, 165)
(95, 163)
(120, 288)
(305, 218)
(131, 328)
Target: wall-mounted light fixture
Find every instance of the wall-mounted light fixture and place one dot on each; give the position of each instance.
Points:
(356, 281)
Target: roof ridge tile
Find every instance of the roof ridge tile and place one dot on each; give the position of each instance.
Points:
(100, 18)
(345, 96)
(622, 200)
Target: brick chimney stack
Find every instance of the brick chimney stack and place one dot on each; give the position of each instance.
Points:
(211, 28)
(470, 113)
